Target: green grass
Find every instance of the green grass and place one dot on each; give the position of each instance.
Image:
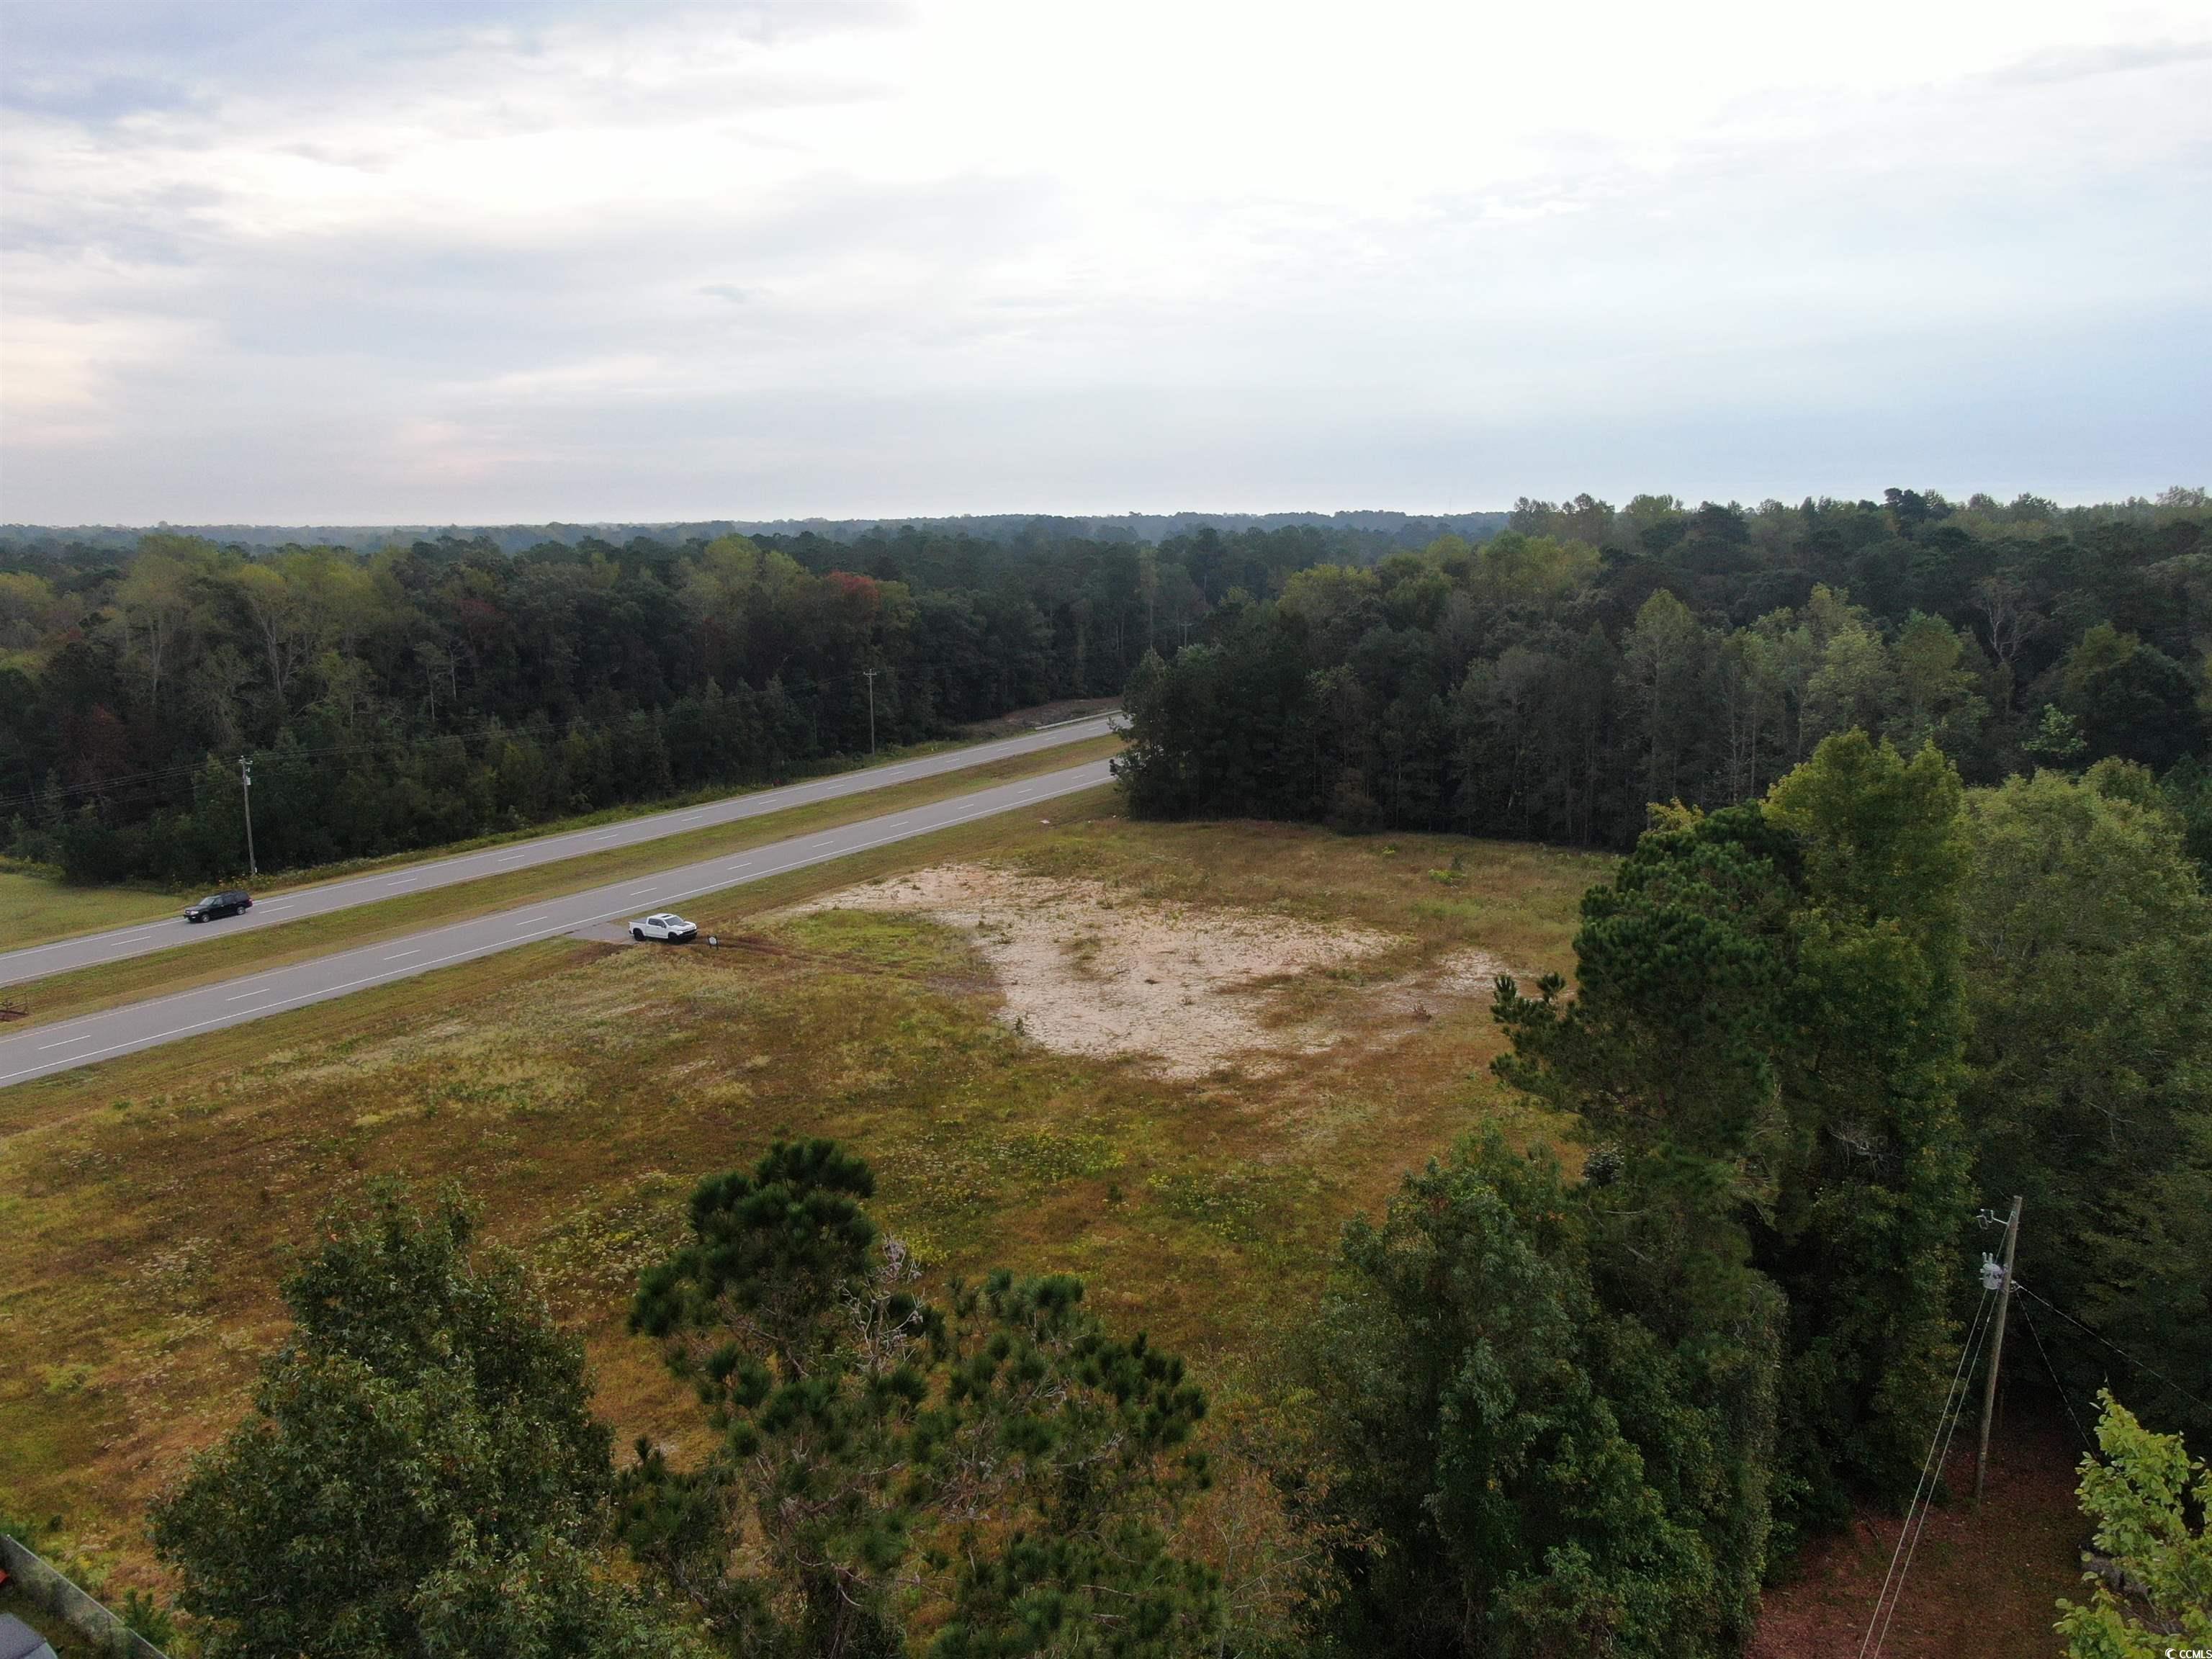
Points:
(61, 996)
(36, 906)
(576, 1092)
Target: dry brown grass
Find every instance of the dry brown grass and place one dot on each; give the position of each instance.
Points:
(148, 1205)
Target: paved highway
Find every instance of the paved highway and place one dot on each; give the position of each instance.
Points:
(68, 1043)
(92, 950)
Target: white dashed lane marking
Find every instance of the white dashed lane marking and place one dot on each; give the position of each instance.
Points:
(164, 1019)
(115, 945)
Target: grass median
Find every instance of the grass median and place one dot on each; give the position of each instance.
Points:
(37, 906)
(62, 996)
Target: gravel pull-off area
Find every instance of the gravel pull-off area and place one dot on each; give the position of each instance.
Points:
(1088, 968)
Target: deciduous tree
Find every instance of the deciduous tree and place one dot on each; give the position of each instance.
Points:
(2152, 1591)
(1524, 1470)
(2089, 1082)
(421, 1472)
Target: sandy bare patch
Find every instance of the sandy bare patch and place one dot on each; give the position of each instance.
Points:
(1086, 968)
(1468, 973)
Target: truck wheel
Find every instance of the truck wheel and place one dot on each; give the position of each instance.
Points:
(638, 934)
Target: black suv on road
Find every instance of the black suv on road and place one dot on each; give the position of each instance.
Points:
(219, 904)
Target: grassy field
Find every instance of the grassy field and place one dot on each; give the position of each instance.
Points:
(148, 1205)
(37, 906)
(61, 996)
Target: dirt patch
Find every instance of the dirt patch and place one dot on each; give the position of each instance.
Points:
(1084, 968)
(1468, 973)
(1984, 1581)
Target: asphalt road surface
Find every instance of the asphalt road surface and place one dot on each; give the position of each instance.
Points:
(68, 1043)
(92, 950)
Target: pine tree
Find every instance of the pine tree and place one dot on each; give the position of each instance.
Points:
(1002, 1460)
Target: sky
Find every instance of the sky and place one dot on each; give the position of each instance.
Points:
(394, 263)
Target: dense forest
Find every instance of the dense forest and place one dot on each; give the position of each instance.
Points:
(1551, 682)
(1545, 682)
(411, 696)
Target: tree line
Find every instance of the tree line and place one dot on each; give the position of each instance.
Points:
(1550, 682)
(1545, 682)
(1584, 1399)
(403, 697)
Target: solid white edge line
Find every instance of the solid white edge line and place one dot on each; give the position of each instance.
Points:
(117, 934)
(752, 804)
(492, 948)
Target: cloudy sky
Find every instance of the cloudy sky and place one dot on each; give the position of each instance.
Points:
(404, 263)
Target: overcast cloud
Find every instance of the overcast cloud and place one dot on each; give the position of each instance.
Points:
(396, 262)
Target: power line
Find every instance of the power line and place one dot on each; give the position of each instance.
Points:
(2087, 1445)
(270, 752)
(1930, 1501)
(1953, 1397)
(139, 780)
(1928, 1505)
(2100, 1337)
(126, 779)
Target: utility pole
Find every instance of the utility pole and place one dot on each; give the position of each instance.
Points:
(1996, 1350)
(246, 793)
(870, 675)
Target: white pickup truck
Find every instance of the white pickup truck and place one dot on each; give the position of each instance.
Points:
(666, 927)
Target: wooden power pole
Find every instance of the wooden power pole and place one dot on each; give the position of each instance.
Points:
(1996, 1350)
(245, 794)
